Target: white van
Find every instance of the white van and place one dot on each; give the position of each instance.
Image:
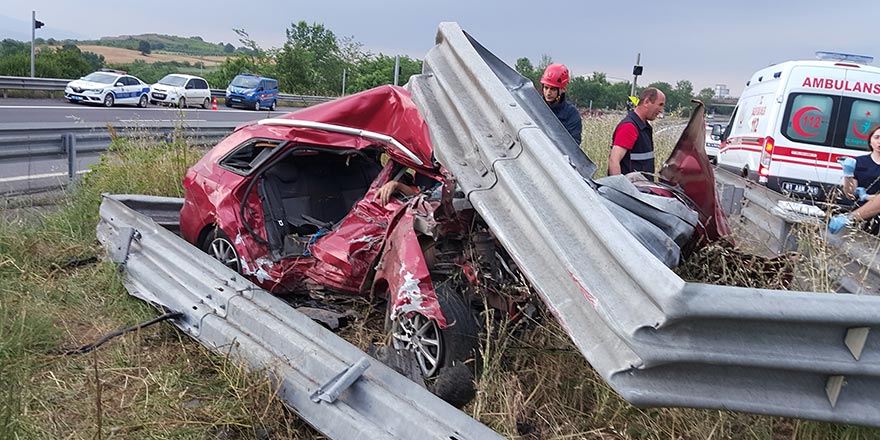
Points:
(796, 121)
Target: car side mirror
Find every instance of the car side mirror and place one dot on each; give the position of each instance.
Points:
(717, 131)
(119, 84)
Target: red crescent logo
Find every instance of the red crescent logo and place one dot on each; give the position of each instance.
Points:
(855, 130)
(796, 121)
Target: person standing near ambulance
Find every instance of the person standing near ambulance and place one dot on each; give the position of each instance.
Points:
(632, 145)
(861, 175)
(861, 181)
(553, 82)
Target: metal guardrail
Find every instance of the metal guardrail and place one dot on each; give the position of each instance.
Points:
(656, 339)
(50, 141)
(232, 316)
(23, 83)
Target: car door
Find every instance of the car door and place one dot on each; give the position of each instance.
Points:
(130, 90)
(118, 89)
(204, 90)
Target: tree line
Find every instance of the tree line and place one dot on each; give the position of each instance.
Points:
(314, 61)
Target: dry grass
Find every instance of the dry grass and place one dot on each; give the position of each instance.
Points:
(118, 55)
(158, 384)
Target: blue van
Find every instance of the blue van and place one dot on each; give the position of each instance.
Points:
(252, 91)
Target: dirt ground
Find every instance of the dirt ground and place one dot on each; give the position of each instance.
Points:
(116, 55)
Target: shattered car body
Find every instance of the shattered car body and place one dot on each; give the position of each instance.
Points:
(296, 198)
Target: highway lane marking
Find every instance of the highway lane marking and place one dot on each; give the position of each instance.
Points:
(39, 176)
(162, 120)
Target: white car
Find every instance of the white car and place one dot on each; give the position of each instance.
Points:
(108, 87)
(713, 140)
(181, 90)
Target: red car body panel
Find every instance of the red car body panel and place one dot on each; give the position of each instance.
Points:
(370, 234)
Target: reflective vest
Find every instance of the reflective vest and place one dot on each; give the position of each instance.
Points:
(641, 156)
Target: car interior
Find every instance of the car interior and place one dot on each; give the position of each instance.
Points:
(310, 190)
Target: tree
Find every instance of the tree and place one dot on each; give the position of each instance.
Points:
(310, 60)
(525, 68)
(228, 48)
(379, 70)
(144, 47)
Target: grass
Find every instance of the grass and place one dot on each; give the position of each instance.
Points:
(159, 384)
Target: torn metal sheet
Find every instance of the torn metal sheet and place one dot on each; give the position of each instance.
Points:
(231, 315)
(656, 339)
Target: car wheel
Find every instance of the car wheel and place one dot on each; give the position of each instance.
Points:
(142, 103)
(272, 107)
(446, 357)
(108, 100)
(218, 245)
(181, 102)
(257, 106)
(206, 104)
(227, 103)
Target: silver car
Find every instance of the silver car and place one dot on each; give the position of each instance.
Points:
(181, 90)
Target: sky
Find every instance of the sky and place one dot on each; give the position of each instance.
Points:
(704, 42)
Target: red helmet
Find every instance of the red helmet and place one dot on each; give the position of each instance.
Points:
(556, 75)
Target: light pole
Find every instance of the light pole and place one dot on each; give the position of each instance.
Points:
(343, 82)
(396, 68)
(637, 70)
(35, 24)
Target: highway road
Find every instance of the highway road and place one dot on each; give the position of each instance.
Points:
(28, 111)
(34, 174)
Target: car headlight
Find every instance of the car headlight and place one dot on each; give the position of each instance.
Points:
(95, 90)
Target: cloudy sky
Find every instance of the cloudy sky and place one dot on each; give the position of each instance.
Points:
(705, 42)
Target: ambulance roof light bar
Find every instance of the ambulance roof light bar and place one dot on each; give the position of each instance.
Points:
(840, 56)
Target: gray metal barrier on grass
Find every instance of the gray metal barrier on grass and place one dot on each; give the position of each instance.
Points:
(655, 338)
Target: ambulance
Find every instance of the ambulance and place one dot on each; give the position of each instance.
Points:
(796, 121)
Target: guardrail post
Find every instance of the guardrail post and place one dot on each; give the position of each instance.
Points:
(68, 142)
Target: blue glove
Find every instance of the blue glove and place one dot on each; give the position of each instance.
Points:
(861, 194)
(849, 167)
(838, 222)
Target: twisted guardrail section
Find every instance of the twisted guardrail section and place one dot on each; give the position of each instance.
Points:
(331, 384)
(656, 339)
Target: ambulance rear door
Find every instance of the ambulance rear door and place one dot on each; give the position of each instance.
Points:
(806, 130)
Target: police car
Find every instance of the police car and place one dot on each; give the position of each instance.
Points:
(108, 87)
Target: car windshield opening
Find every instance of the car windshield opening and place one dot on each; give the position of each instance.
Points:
(173, 80)
(245, 81)
(100, 77)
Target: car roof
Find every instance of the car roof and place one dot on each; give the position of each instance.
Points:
(384, 110)
(185, 75)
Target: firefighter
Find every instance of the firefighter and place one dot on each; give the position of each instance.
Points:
(553, 82)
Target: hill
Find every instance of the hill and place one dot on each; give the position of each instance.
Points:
(118, 55)
(166, 43)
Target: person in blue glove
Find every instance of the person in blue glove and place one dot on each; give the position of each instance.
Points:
(868, 211)
(861, 181)
(861, 175)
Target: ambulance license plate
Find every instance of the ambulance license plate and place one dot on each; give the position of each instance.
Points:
(800, 188)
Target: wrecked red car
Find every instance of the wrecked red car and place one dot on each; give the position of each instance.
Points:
(295, 203)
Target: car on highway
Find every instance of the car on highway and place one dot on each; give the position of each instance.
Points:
(181, 90)
(297, 205)
(713, 140)
(252, 91)
(108, 87)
